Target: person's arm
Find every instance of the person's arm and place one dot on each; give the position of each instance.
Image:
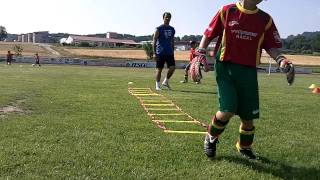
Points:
(204, 42)
(278, 57)
(274, 53)
(285, 65)
(215, 29)
(155, 38)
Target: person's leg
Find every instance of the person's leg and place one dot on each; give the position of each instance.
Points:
(246, 130)
(186, 74)
(158, 78)
(245, 141)
(228, 108)
(246, 133)
(215, 129)
(159, 66)
(158, 74)
(248, 95)
(171, 65)
(170, 72)
(219, 123)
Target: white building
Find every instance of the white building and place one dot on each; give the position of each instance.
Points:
(101, 42)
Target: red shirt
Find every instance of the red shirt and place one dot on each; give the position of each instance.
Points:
(242, 34)
(192, 54)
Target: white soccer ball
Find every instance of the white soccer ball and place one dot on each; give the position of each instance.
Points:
(32, 65)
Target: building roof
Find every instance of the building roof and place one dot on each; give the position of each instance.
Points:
(98, 39)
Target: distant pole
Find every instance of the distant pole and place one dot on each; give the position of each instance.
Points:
(270, 61)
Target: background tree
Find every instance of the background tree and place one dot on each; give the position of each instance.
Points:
(316, 44)
(147, 47)
(18, 50)
(3, 33)
(143, 38)
(191, 38)
(305, 43)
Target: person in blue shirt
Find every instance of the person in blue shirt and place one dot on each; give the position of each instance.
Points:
(163, 50)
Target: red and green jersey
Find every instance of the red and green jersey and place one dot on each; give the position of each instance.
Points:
(242, 34)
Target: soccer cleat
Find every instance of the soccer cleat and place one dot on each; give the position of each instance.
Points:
(158, 88)
(210, 146)
(184, 81)
(166, 84)
(246, 152)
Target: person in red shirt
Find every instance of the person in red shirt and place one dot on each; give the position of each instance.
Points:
(9, 58)
(193, 45)
(243, 30)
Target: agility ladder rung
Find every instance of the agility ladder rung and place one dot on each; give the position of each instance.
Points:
(149, 100)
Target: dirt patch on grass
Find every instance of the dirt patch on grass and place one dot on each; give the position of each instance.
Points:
(13, 108)
(10, 109)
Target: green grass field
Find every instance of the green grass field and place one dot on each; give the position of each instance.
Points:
(81, 123)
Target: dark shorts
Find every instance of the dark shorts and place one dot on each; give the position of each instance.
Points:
(168, 59)
(238, 89)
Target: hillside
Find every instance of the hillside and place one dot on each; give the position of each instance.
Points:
(28, 49)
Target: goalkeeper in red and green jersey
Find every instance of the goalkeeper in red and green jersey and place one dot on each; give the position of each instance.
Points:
(193, 45)
(243, 30)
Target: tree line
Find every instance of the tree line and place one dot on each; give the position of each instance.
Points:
(3, 33)
(305, 43)
(177, 38)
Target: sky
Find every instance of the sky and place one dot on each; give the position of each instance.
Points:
(140, 17)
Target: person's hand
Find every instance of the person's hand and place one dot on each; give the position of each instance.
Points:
(200, 55)
(196, 64)
(287, 67)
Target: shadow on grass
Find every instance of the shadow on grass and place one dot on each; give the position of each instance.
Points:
(197, 92)
(278, 169)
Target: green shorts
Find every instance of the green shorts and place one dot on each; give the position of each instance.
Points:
(238, 89)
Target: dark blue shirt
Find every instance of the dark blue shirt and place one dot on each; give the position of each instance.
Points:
(164, 42)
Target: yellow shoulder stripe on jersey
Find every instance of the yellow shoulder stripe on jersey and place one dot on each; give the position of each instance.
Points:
(223, 45)
(222, 16)
(269, 24)
(258, 57)
(246, 11)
